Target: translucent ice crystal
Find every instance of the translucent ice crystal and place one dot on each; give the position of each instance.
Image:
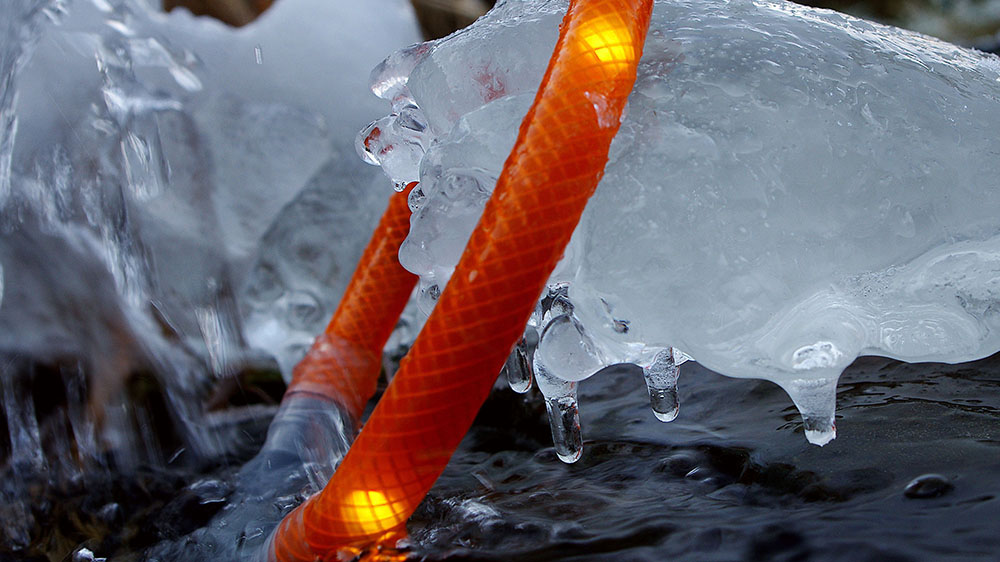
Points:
(178, 196)
(791, 188)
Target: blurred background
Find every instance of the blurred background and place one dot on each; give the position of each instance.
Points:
(973, 23)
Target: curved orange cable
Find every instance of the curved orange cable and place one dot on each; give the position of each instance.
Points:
(344, 362)
(555, 166)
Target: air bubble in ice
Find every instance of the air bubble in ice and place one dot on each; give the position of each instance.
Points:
(567, 351)
(820, 355)
(415, 199)
(427, 296)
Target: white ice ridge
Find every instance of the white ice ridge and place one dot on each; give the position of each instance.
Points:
(791, 188)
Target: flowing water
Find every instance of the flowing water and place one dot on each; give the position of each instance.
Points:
(913, 476)
(732, 477)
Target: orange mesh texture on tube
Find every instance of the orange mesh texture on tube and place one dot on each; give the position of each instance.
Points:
(555, 166)
(344, 362)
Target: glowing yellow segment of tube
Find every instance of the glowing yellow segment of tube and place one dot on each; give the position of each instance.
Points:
(372, 511)
(610, 41)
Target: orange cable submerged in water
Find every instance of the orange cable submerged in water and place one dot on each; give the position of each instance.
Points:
(555, 166)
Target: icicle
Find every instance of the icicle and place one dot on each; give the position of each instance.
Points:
(22, 425)
(555, 302)
(428, 294)
(564, 413)
(816, 399)
(518, 369)
(661, 382)
(564, 356)
(80, 420)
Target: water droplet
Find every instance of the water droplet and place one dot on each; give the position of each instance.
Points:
(111, 514)
(928, 486)
(86, 555)
(210, 490)
(458, 187)
(661, 382)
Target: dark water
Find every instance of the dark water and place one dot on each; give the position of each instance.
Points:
(733, 478)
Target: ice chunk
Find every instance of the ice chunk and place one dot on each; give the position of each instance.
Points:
(171, 190)
(179, 149)
(791, 188)
(305, 259)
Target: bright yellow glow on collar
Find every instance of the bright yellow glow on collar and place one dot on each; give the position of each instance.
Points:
(609, 40)
(372, 512)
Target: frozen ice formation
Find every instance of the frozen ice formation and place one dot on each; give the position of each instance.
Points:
(791, 189)
(178, 196)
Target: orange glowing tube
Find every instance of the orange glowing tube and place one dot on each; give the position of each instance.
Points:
(344, 362)
(555, 166)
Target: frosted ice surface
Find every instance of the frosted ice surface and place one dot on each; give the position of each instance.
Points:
(791, 188)
(306, 258)
(175, 193)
